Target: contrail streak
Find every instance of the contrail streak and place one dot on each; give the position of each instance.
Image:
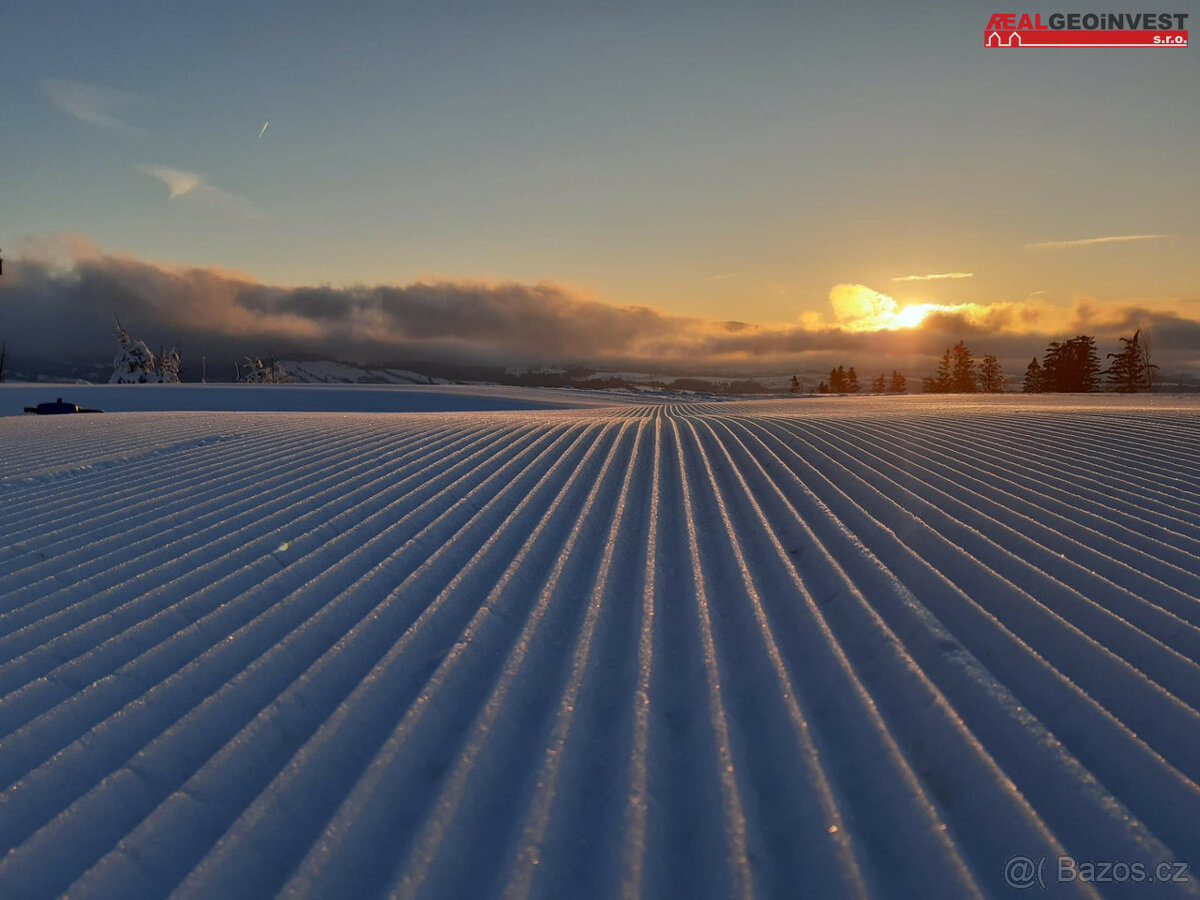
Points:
(264, 129)
(1087, 242)
(935, 276)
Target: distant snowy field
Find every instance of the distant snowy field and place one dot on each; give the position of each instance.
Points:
(301, 397)
(827, 647)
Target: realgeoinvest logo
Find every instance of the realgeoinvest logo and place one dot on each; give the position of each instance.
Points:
(1140, 29)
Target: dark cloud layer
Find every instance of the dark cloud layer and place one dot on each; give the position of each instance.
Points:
(51, 310)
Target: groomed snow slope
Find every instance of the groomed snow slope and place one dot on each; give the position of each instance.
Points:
(813, 648)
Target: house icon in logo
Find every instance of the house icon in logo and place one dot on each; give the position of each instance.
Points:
(1003, 39)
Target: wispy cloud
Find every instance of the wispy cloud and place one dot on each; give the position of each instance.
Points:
(179, 181)
(1087, 242)
(92, 103)
(935, 277)
(192, 185)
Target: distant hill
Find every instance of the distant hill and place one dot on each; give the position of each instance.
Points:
(323, 371)
(400, 372)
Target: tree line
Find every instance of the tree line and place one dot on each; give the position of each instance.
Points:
(1074, 367)
(1071, 366)
(845, 381)
(959, 373)
(135, 363)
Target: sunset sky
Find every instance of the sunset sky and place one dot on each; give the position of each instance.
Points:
(710, 161)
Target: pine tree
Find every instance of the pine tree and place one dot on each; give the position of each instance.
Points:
(1086, 363)
(837, 380)
(1053, 365)
(898, 383)
(1033, 378)
(1130, 370)
(1123, 374)
(942, 380)
(1072, 366)
(795, 385)
(991, 375)
(962, 375)
(852, 381)
(823, 387)
(1148, 367)
(879, 385)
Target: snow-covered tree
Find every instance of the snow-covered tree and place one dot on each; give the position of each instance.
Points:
(255, 371)
(134, 363)
(168, 366)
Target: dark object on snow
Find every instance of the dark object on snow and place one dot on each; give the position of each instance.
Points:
(58, 408)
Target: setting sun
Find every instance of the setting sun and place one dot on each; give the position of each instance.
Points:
(859, 308)
(912, 316)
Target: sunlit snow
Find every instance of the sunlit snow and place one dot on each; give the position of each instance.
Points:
(452, 641)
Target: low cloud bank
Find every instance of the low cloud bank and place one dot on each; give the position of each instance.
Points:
(59, 305)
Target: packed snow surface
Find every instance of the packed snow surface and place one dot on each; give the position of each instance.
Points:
(830, 648)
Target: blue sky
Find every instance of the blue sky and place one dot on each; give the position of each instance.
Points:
(713, 160)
